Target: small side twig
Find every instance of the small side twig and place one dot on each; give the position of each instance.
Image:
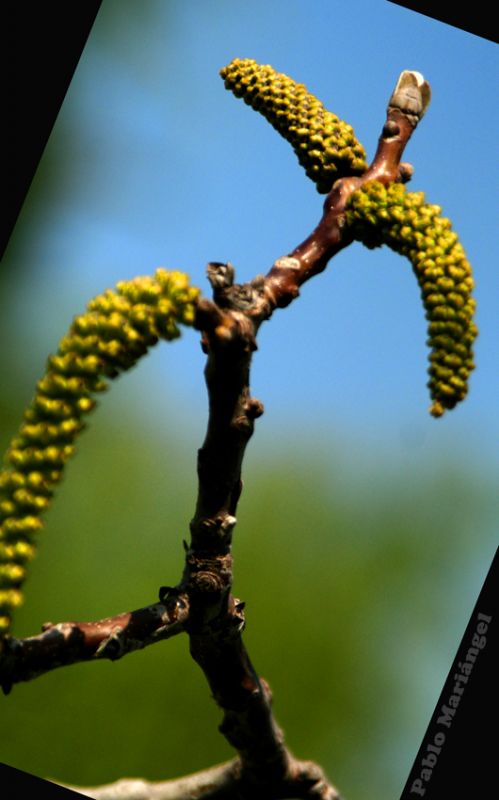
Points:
(72, 642)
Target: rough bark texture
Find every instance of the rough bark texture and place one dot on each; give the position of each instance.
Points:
(202, 604)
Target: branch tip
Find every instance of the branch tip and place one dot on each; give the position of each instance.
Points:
(411, 95)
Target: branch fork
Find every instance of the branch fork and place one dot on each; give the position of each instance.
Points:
(202, 604)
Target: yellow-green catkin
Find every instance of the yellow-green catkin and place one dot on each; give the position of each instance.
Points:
(378, 214)
(118, 328)
(325, 145)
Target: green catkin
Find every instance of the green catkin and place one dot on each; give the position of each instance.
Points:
(325, 145)
(377, 215)
(117, 329)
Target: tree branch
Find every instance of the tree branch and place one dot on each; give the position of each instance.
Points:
(406, 108)
(202, 603)
(72, 642)
(229, 327)
(223, 782)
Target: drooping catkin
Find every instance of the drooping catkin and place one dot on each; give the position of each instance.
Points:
(378, 214)
(118, 328)
(325, 145)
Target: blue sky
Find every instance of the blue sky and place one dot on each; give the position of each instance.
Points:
(162, 166)
(152, 163)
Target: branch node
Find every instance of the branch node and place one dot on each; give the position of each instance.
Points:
(226, 523)
(390, 128)
(208, 574)
(253, 408)
(111, 648)
(220, 275)
(406, 171)
(241, 423)
(258, 283)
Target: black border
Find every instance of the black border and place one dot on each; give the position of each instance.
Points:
(464, 763)
(42, 44)
(18, 785)
(477, 17)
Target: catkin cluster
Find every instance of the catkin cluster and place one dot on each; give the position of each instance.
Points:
(378, 214)
(118, 328)
(325, 145)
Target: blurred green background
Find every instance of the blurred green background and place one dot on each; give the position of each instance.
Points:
(365, 528)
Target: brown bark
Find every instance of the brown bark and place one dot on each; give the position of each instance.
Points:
(202, 603)
(222, 782)
(72, 642)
